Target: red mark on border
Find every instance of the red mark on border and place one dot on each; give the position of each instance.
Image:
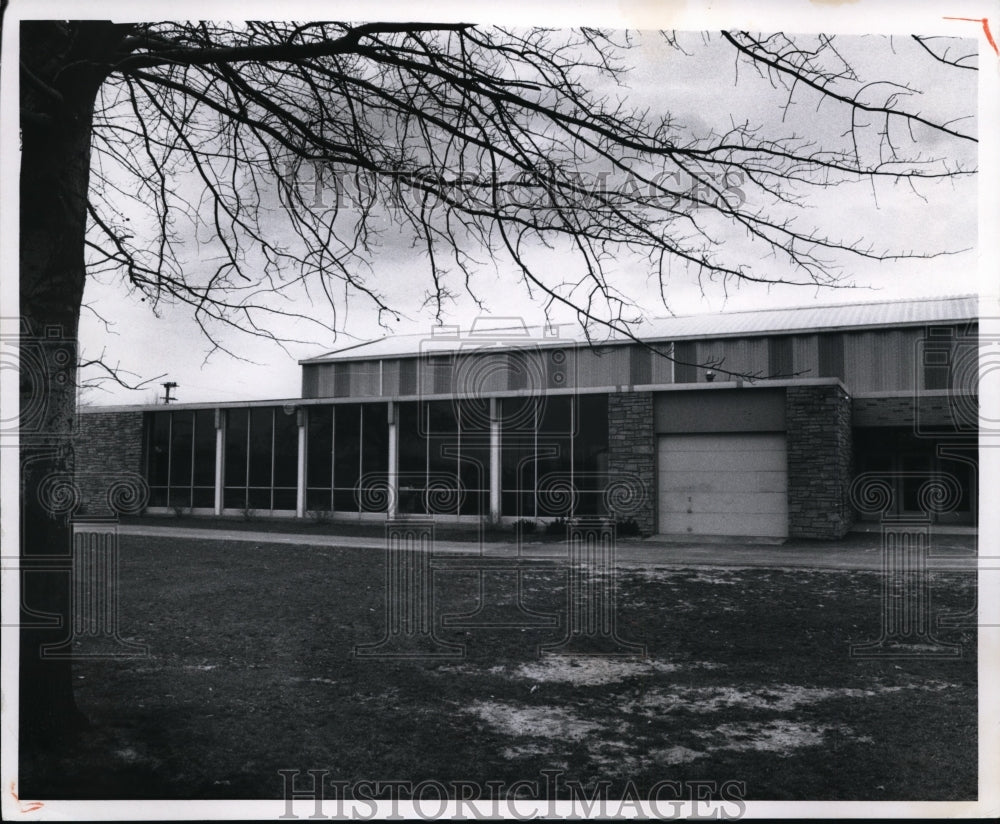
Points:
(986, 29)
(30, 807)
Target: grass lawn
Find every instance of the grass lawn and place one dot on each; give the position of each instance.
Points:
(747, 678)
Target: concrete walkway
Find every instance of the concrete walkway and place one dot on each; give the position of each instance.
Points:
(859, 551)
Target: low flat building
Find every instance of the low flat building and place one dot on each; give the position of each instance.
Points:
(777, 423)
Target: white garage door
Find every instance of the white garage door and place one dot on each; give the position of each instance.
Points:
(735, 484)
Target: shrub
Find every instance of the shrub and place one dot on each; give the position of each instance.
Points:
(320, 516)
(557, 528)
(524, 526)
(629, 528)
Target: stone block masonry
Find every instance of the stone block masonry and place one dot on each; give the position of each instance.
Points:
(108, 457)
(819, 443)
(632, 452)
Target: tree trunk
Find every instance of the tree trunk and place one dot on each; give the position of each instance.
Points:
(63, 67)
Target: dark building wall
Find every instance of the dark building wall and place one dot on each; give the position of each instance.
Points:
(818, 421)
(632, 451)
(108, 455)
(944, 411)
(720, 410)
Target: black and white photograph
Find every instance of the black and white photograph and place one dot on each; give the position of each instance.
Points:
(464, 411)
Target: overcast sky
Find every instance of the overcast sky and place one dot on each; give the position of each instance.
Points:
(700, 91)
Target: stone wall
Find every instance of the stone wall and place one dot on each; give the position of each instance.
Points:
(632, 454)
(108, 457)
(818, 421)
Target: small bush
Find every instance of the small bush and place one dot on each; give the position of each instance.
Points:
(320, 516)
(557, 528)
(249, 513)
(524, 526)
(179, 511)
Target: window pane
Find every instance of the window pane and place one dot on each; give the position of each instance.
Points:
(286, 448)
(555, 458)
(319, 460)
(590, 446)
(412, 446)
(204, 448)
(181, 440)
(236, 447)
(180, 496)
(319, 500)
(159, 447)
(259, 498)
(346, 454)
(204, 496)
(442, 426)
(285, 498)
(375, 449)
(517, 456)
(260, 446)
(234, 497)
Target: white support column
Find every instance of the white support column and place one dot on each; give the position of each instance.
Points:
(300, 482)
(494, 459)
(220, 452)
(393, 460)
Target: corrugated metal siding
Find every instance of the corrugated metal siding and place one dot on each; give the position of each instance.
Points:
(760, 322)
(881, 361)
(481, 373)
(602, 367)
(805, 356)
(364, 379)
(663, 369)
(310, 375)
(390, 378)
(324, 380)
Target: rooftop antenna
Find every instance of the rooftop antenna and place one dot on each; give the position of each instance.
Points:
(166, 391)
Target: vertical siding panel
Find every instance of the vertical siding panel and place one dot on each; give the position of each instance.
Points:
(606, 366)
(324, 380)
(662, 368)
(904, 353)
(390, 378)
(805, 356)
(364, 379)
(862, 361)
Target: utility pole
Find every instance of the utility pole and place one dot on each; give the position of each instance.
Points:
(166, 391)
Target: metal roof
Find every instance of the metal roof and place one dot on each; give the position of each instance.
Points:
(511, 333)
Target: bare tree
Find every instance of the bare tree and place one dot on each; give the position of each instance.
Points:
(481, 143)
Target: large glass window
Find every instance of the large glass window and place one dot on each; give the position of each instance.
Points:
(444, 453)
(553, 455)
(180, 458)
(348, 457)
(261, 458)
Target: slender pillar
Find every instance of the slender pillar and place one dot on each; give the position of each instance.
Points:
(220, 444)
(494, 460)
(300, 478)
(392, 507)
